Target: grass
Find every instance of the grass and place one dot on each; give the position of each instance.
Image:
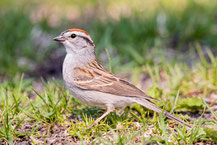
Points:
(14, 38)
(132, 38)
(37, 115)
(166, 29)
(24, 45)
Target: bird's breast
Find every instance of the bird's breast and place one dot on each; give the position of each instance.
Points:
(68, 68)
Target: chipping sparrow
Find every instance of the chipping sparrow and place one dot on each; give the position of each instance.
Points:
(90, 83)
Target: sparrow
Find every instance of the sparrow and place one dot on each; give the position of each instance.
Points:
(90, 83)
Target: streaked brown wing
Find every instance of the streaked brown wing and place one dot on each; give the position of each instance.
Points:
(94, 77)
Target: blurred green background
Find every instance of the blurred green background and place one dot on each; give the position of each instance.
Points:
(134, 32)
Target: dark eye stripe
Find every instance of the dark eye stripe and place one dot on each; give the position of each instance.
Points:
(91, 43)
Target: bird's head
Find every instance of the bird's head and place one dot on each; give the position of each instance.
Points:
(76, 41)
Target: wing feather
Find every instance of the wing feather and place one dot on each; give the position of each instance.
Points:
(95, 77)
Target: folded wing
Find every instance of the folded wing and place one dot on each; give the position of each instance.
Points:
(94, 76)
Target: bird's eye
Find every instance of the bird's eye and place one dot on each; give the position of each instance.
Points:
(73, 35)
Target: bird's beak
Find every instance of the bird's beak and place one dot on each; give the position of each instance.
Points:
(59, 38)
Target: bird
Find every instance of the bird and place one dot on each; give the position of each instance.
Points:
(90, 83)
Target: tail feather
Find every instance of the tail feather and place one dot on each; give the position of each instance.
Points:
(153, 107)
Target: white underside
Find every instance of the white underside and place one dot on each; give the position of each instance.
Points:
(99, 99)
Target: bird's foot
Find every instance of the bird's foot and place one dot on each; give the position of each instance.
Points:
(89, 126)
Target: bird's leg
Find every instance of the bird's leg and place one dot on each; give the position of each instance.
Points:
(109, 110)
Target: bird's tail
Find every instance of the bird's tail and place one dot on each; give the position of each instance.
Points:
(153, 107)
